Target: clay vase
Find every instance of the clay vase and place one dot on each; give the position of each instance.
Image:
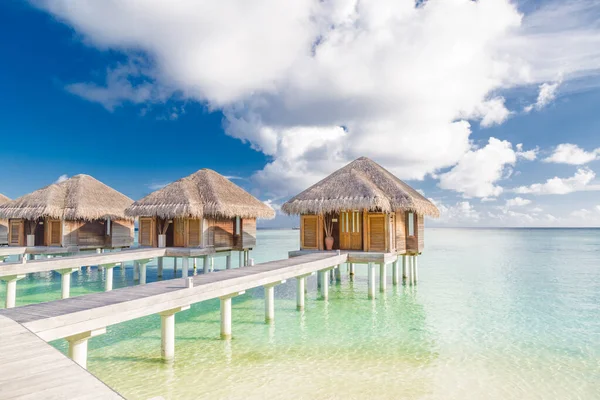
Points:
(329, 242)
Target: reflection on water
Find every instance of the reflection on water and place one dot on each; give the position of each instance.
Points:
(497, 314)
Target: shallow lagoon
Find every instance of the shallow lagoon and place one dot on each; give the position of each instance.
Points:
(496, 314)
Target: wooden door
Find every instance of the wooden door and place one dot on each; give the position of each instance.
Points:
(194, 238)
(15, 233)
(145, 232)
(54, 233)
(376, 232)
(309, 235)
(351, 230)
(179, 238)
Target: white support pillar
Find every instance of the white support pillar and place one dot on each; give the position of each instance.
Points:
(108, 278)
(167, 330)
(78, 345)
(409, 270)
(66, 281)
(301, 290)
(212, 264)
(159, 271)
(11, 289)
(371, 283)
(241, 256)
(269, 303)
(395, 272)
(226, 314)
(351, 269)
(404, 270)
(136, 271)
(300, 283)
(319, 280)
(338, 274)
(416, 269)
(324, 275)
(382, 277)
(174, 267)
(226, 318)
(228, 261)
(185, 263)
(142, 267)
(248, 257)
(205, 265)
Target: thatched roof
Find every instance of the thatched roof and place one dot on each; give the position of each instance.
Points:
(78, 198)
(203, 193)
(3, 199)
(362, 184)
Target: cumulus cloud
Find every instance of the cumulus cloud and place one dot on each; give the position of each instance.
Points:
(517, 202)
(581, 213)
(478, 170)
(546, 94)
(580, 181)
(314, 84)
(568, 153)
(61, 178)
(528, 155)
(460, 213)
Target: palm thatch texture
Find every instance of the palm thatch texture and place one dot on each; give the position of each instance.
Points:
(78, 198)
(3, 199)
(362, 184)
(203, 193)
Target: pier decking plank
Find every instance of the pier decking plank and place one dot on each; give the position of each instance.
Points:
(32, 369)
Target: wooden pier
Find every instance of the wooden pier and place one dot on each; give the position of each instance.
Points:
(32, 369)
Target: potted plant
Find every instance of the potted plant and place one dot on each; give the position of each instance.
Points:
(163, 225)
(328, 220)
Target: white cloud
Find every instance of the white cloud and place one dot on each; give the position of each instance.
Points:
(582, 213)
(537, 210)
(478, 170)
(461, 213)
(313, 84)
(492, 112)
(517, 202)
(528, 155)
(567, 153)
(546, 95)
(61, 178)
(580, 181)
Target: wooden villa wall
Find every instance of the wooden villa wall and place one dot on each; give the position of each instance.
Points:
(3, 231)
(219, 232)
(121, 233)
(400, 231)
(421, 233)
(248, 232)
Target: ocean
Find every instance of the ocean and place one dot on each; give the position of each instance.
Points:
(496, 314)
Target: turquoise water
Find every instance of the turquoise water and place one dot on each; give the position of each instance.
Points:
(497, 314)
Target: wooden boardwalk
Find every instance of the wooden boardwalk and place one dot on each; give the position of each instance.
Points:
(32, 369)
(68, 317)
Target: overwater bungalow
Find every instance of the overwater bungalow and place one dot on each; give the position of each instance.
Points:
(3, 223)
(79, 213)
(361, 207)
(204, 209)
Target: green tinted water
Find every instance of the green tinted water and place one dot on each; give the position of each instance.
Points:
(497, 314)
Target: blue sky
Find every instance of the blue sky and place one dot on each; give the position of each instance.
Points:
(141, 97)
